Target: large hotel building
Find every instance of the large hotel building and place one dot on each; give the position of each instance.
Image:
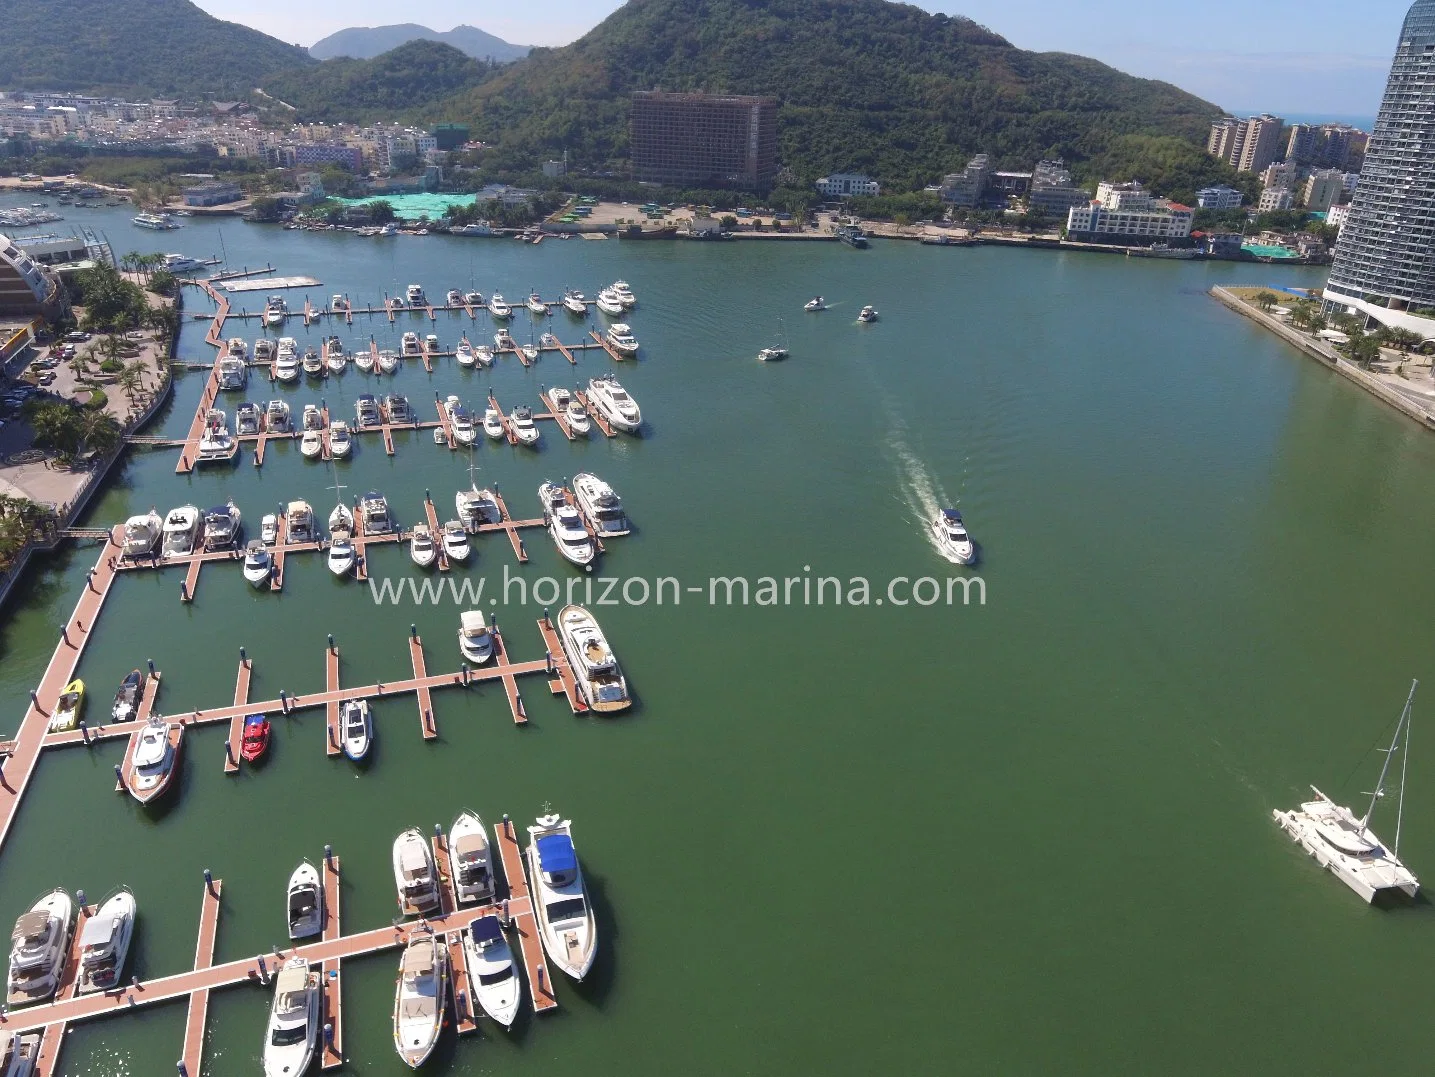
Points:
(704, 140)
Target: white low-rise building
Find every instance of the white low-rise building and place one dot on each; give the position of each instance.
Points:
(1126, 211)
(1275, 198)
(846, 185)
(1336, 216)
(1219, 197)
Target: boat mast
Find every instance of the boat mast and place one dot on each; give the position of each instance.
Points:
(1404, 762)
(1394, 746)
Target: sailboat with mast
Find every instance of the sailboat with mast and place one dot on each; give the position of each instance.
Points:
(1344, 843)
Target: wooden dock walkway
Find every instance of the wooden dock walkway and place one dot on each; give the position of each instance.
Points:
(563, 673)
(48, 1062)
(333, 733)
(236, 724)
(598, 420)
(425, 700)
(464, 1018)
(520, 911)
(199, 999)
(510, 683)
(613, 352)
(436, 529)
(331, 1013)
(511, 527)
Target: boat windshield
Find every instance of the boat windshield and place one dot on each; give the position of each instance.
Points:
(567, 909)
(287, 1037)
(489, 979)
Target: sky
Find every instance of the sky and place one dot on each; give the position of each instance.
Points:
(1307, 57)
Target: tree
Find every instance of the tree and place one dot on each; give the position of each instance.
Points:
(1265, 300)
(1363, 349)
(130, 380)
(381, 212)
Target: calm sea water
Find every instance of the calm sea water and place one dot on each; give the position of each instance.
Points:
(1027, 837)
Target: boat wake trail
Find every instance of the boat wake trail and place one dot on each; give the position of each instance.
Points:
(920, 490)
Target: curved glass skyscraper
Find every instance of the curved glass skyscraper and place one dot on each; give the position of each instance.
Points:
(1386, 251)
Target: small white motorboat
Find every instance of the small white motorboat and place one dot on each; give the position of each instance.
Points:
(358, 728)
(530, 353)
(620, 337)
(300, 522)
(247, 419)
(142, 534)
(477, 507)
(421, 546)
(473, 299)
(292, 1036)
(340, 557)
(868, 314)
(156, 759)
(524, 428)
(414, 296)
(258, 564)
(388, 362)
(182, 528)
(420, 997)
(276, 417)
(536, 306)
(623, 294)
(815, 303)
(335, 360)
(431, 344)
(565, 525)
(560, 902)
(574, 302)
(313, 362)
(340, 443)
(269, 529)
(364, 360)
(464, 353)
(459, 420)
(105, 943)
(305, 902)
(483, 354)
(454, 298)
(498, 309)
(312, 417)
(610, 304)
(952, 538)
(493, 423)
(475, 641)
(471, 854)
(311, 444)
(341, 518)
(366, 412)
(577, 414)
(773, 354)
(455, 541)
(491, 970)
(414, 874)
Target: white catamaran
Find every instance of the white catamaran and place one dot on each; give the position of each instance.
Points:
(1344, 843)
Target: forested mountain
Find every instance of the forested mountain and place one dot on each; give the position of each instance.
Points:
(151, 48)
(866, 85)
(366, 42)
(401, 83)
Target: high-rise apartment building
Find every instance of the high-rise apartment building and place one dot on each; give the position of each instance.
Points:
(1261, 144)
(1226, 139)
(1385, 258)
(704, 140)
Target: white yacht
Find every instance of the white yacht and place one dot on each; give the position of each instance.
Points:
(410, 344)
(464, 353)
(223, 526)
(491, 970)
(366, 411)
(357, 723)
(503, 342)
(536, 306)
(38, 948)
(459, 421)
(300, 522)
(312, 417)
(565, 526)
(396, 407)
(422, 548)
(313, 362)
(105, 943)
(614, 404)
(565, 919)
(233, 372)
(388, 361)
(498, 309)
(455, 542)
(215, 443)
(575, 303)
(247, 419)
(952, 539)
(1343, 842)
(364, 360)
(338, 304)
(264, 350)
(374, 514)
(275, 311)
(772, 354)
(623, 294)
(182, 528)
(311, 444)
(477, 507)
(602, 506)
(475, 642)
(530, 352)
(142, 534)
(292, 1037)
(472, 858)
(473, 299)
(524, 428)
(304, 900)
(420, 997)
(431, 344)
(341, 517)
(868, 314)
(493, 423)
(340, 556)
(414, 874)
(340, 443)
(599, 677)
(156, 759)
(19, 1053)
(610, 304)
(483, 354)
(414, 296)
(269, 529)
(620, 336)
(286, 366)
(815, 303)
(258, 564)
(454, 298)
(335, 359)
(276, 416)
(159, 222)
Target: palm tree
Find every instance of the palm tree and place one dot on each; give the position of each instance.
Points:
(130, 380)
(1265, 300)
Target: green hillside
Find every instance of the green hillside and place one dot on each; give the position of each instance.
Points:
(150, 48)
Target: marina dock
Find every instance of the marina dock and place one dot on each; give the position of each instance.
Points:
(236, 724)
(331, 1016)
(198, 1014)
(519, 906)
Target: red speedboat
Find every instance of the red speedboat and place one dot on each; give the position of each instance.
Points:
(256, 737)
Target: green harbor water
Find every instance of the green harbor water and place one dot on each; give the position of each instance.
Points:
(1030, 836)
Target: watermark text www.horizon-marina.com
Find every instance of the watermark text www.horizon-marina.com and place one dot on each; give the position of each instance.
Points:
(761, 591)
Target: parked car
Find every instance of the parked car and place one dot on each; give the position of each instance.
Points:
(79, 336)
(48, 378)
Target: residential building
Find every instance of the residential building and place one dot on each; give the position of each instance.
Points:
(1276, 198)
(1219, 197)
(1227, 137)
(1336, 216)
(1285, 174)
(1323, 189)
(1010, 184)
(213, 194)
(965, 188)
(310, 154)
(1052, 191)
(1261, 144)
(704, 140)
(1304, 143)
(1126, 213)
(311, 187)
(26, 286)
(1386, 249)
(847, 184)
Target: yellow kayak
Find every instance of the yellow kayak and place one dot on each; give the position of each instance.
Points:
(67, 710)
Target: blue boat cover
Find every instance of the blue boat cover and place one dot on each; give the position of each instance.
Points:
(486, 929)
(254, 719)
(556, 855)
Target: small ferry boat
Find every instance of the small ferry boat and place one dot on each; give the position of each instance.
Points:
(560, 902)
(456, 546)
(291, 1038)
(473, 876)
(233, 373)
(602, 506)
(275, 311)
(181, 530)
(254, 738)
(600, 679)
(493, 423)
(852, 236)
(422, 549)
(536, 306)
(299, 516)
(156, 759)
(396, 407)
(340, 443)
(127, 699)
(357, 724)
(868, 314)
(614, 404)
(475, 641)
(105, 943)
(38, 947)
(311, 444)
(610, 304)
(420, 998)
(477, 507)
(223, 526)
(414, 874)
(491, 970)
(575, 303)
(374, 514)
(258, 564)
(313, 362)
(388, 361)
(366, 411)
(304, 900)
(66, 714)
(464, 353)
(247, 419)
(952, 538)
(565, 525)
(815, 303)
(498, 309)
(414, 296)
(410, 344)
(524, 428)
(620, 336)
(340, 556)
(276, 416)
